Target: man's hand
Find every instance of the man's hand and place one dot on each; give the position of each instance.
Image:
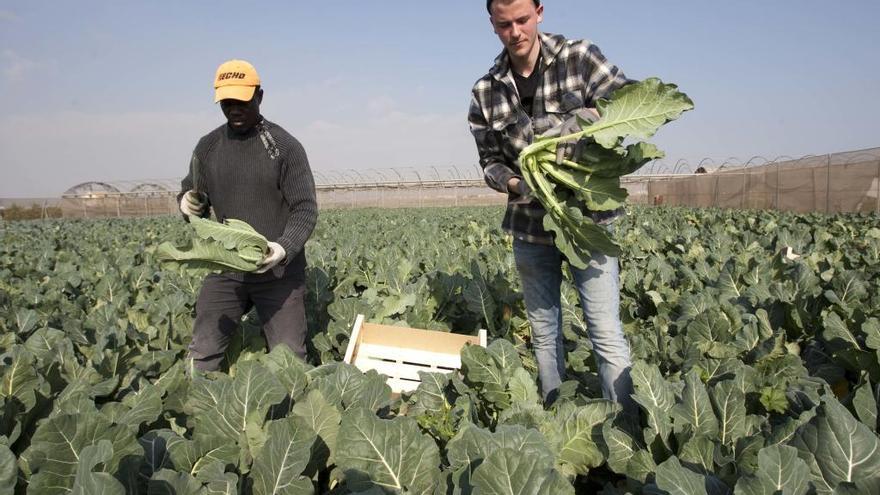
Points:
(276, 254)
(193, 203)
(518, 187)
(567, 150)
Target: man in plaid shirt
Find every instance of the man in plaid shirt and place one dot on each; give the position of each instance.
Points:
(537, 83)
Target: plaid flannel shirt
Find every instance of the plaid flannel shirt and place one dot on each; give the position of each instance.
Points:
(575, 75)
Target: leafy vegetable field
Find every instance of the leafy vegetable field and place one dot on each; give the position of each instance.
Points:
(756, 342)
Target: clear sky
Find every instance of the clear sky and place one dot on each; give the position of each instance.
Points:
(122, 90)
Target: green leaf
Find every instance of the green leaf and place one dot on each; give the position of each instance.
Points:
(278, 466)
(429, 395)
(396, 304)
(224, 408)
(466, 451)
(168, 482)
(650, 387)
(655, 396)
(780, 471)
(729, 403)
(20, 379)
(525, 414)
(711, 332)
(526, 440)
(348, 387)
(871, 329)
(233, 245)
(195, 456)
(8, 470)
(677, 480)
(836, 331)
(523, 389)
(506, 471)
(597, 193)
(231, 234)
(391, 454)
(746, 452)
(48, 344)
(577, 236)
(323, 418)
(505, 354)
(849, 289)
(481, 369)
(342, 386)
(583, 446)
(869, 486)
(155, 446)
(25, 321)
(471, 445)
(223, 484)
(288, 368)
(54, 453)
(865, 405)
(774, 400)
(374, 394)
(143, 406)
(637, 111)
(479, 298)
(625, 455)
(599, 161)
(844, 449)
(693, 411)
(96, 483)
(699, 451)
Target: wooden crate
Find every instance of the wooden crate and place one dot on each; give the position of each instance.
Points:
(400, 352)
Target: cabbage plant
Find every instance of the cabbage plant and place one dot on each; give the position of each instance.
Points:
(570, 189)
(232, 245)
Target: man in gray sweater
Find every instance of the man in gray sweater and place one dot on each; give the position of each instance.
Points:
(252, 170)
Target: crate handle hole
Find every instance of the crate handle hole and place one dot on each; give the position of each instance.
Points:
(421, 365)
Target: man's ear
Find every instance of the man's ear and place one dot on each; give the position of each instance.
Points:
(259, 95)
(540, 12)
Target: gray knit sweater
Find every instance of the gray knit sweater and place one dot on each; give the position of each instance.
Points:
(264, 179)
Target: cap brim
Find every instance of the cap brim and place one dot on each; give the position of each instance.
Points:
(242, 93)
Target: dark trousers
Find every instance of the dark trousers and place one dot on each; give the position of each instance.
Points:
(223, 301)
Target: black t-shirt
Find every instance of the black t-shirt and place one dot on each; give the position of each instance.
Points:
(528, 86)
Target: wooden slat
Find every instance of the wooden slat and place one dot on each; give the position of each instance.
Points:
(396, 370)
(407, 355)
(354, 340)
(413, 338)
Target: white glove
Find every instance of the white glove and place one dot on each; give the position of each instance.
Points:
(193, 203)
(276, 254)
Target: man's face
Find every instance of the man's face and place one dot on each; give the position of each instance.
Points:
(242, 116)
(516, 24)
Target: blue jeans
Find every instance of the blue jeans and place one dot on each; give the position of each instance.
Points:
(540, 269)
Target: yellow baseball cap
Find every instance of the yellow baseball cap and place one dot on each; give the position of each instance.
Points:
(235, 79)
